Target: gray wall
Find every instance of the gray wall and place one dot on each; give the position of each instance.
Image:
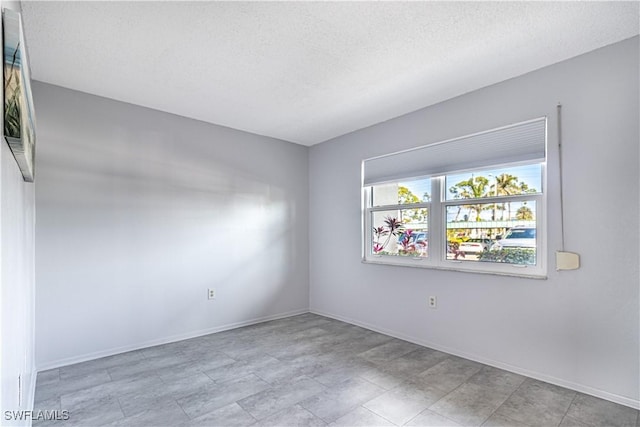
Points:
(139, 212)
(17, 281)
(577, 328)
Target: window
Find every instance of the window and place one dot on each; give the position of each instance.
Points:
(474, 203)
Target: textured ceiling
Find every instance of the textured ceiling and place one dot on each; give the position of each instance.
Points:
(306, 72)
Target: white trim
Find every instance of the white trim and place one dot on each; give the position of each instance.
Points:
(110, 352)
(414, 263)
(31, 395)
(622, 400)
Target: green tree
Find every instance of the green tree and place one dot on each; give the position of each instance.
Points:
(455, 191)
(406, 196)
(505, 185)
(524, 188)
(472, 188)
(524, 213)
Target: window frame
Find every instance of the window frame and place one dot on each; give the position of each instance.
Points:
(437, 230)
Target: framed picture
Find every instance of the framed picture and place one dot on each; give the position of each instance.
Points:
(19, 120)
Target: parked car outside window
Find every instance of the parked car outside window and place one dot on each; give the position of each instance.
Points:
(475, 246)
(517, 237)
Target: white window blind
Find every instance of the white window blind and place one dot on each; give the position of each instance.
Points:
(518, 143)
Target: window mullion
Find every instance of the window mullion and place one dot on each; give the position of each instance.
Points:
(436, 225)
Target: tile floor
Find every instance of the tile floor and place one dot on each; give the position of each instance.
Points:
(308, 370)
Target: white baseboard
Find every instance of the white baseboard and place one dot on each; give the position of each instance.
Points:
(112, 351)
(622, 400)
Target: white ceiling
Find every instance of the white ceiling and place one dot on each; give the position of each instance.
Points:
(306, 72)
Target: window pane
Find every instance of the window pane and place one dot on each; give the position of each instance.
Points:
(401, 193)
(392, 236)
(472, 235)
(494, 183)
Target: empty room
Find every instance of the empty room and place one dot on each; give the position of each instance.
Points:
(320, 213)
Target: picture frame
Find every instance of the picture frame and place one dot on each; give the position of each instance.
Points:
(19, 118)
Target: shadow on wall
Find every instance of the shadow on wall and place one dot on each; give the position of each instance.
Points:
(147, 229)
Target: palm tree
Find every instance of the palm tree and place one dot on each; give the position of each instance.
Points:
(473, 188)
(455, 191)
(506, 185)
(524, 213)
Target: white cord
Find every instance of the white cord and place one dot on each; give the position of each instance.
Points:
(560, 171)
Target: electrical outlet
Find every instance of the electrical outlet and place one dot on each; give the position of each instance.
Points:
(212, 293)
(433, 302)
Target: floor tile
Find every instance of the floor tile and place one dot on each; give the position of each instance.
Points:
(384, 378)
(428, 356)
(359, 344)
(48, 405)
(113, 389)
(470, 404)
(388, 351)
(94, 412)
(448, 374)
(404, 367)
(306, 334)
(231, 415)
(273, 400)
(431, 419)
(207, 355)
(168, 414)
(418, 360)
(498, 420)
(242, 368)
(536, 403)
(90, 366)
(336, 401)
(213, 361)
(314, 321)
(597, 412)
(70, 385)
(47, 377)
(309, 365)
(181, 387)
(231, 371)
(326, 371)
(572, 422)
(163, 350)
(497, 379)
(146, 366)
(290, 351)
(361, 417)
(293, 416)
(219, 395)
(335, 373)
(403, 403)
(144, 401)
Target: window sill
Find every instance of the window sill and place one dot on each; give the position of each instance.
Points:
(418, 264)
